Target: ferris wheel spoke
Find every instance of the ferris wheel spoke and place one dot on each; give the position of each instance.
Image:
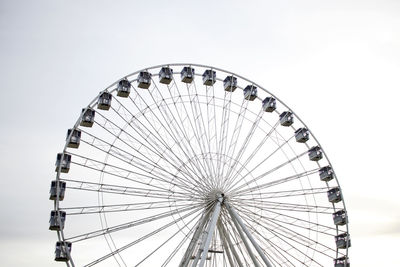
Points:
(154, 150)
(228, 244)
(287, 239)
(228, 155)
(250, 259)
(232, 182)
(113, 189)
(284, 225)
(163, 243)
(148, 136)
(125, 137)
(105, 146)
(179, 246)
(198, 129)
(144, 237)
(119, 172)
(306, 242)
(223, 136)
(193, 157)
(282, 251)
(280, 254)
(295, 221)
(212, 126)
(267, 244)
(236, 130)
(290, 193)
(265, 159)
(178, 141)
(279, 226)
(186, 120)
(129, 158)
(241, 227)
(247, 139)
(123, 207)
(275, 182)
(232, 238)
(293, 207)
(157, 163)
(227, 249)
(263, 175)
(128, 191)
(135, 223)
(202, 129)
(177, 128)
(153, 174)
(212, 129)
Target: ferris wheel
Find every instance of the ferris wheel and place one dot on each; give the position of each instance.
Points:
(192, 165)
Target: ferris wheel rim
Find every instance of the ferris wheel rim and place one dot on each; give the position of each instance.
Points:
(60, 233)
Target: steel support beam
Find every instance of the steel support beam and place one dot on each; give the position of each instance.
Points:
(211, 228)
(243, 237)
(189, 251)
(225, 245)
(229, 245)
(203, 249)
(236, 218)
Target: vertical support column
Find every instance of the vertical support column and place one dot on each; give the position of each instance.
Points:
(253, 258)
(189, 251)
(225, 245)
(203, 249)
(238, 220)
(228, 244)
(211, 229)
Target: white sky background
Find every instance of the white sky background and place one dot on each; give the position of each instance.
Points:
(335, 63)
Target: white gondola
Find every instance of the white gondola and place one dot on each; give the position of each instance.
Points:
(334, 195)
(269, 104)
(302, 135)
(165, 75)
(326, 173)
(104, 101)
(187, 75)
(315, 153)
(209, 77)
(144, 79)
(57, 220)
(286, 118)
(343, 241)
(342, 262)
(65, 164)
(124, 88)
(75, 139)
(61, 185)
(230, 83)
(250, 92)
(340, 217)
(61, 253)
(87, 117)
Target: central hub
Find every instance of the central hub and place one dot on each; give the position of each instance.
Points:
(215, 195)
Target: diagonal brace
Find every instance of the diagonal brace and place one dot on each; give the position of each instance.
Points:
(237, 219)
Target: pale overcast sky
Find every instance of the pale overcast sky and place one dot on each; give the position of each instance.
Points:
(335, 63)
